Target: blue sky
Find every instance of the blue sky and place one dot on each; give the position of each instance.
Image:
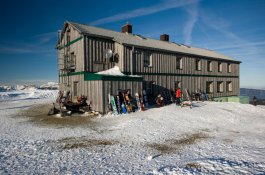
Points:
(29, 28)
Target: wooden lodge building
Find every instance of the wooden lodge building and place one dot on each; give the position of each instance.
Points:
(159, 64)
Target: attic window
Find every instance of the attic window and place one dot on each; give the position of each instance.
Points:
(68, 36)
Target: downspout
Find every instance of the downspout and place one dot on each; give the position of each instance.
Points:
(132, 60)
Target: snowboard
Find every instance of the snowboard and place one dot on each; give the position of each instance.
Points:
(128, 103)
(123, 108)
(141, 102)
(145, 100)
(118, 104)
(113, 104)
(138, 101)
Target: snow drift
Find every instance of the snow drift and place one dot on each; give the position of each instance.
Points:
(28, 94)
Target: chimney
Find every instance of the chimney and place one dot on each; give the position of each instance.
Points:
(164, 37)
(127, 28)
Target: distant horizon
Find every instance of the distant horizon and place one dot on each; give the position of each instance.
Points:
(41, 82)
(27, 82)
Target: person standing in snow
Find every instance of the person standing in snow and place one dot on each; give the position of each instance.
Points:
(255, 101)
(178, 96)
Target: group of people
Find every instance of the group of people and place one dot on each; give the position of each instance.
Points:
(178, 98)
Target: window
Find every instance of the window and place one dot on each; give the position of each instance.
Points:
(178, 63)
(68, 36)
(220, 67)
(229, 87)
(209, 66)
(75, 89)
(198, 64)
(72, 60)
(147, 59)
(229, 67)
(220, 86)
(209, 87)
(177, 84)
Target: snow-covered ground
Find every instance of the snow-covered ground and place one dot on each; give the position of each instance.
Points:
(211, 138)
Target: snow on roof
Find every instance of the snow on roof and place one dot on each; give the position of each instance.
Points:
(113, 71)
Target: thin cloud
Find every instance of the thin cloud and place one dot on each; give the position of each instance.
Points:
(192, 11)
(39, 45)
(240, 45)
(221, 25)
(45, 37)
(170, 4)
(23, 49)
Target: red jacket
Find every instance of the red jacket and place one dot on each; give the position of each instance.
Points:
(178, 93)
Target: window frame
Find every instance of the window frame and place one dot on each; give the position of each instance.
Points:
(229, 86)
(229, 67)
(68, 37)
(220, 67)
(209, 66)
(219, 85)
(198, 65)
(149, 56)
(179, 66)
(72, 60)
(211, 88)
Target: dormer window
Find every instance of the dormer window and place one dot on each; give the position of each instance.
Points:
(68, 36)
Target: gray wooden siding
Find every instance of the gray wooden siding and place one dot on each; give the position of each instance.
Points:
(163, 62)
(76, 48)
(92, 89)
(94, 49)
(193, 84)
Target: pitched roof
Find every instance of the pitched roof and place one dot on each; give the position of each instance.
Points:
(137, 40)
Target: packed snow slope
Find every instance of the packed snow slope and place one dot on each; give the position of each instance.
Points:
(211, 138)
(27, 94)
